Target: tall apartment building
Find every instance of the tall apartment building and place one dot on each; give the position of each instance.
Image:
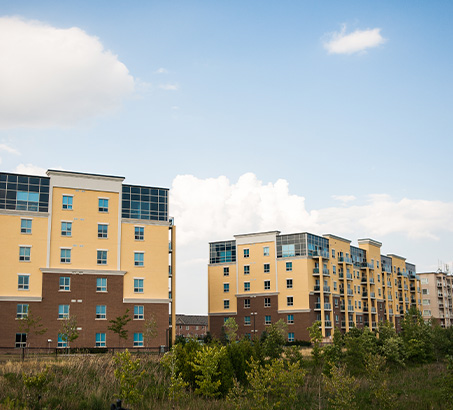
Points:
(89, 246)
(437, 297)
(260, 278)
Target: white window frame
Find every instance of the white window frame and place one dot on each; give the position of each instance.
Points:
(23, 286)
(66, 230)
(103, 209)
(66, 260)
(138, 288)
(26, 228)
(25, 257)
(101, 233)
(68, 206)
(140, 315)
(100, 260)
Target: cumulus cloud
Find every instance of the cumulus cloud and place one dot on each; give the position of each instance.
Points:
(169, 87)
(344, 198)
(29, 169)
(56, 77)
(359, 40)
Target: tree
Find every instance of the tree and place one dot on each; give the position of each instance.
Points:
(417, 337)
(68, 330)
(129, 376)
(231, 328)
(118, 326)
(31, 324)
(275, 340)
(341, 388)
(316, 337)
(150, 330)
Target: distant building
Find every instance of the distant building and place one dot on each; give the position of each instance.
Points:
(191, 325)
(84, 245)
(437, 297)
(259, 278)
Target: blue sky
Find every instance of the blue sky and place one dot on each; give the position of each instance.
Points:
(331, 117)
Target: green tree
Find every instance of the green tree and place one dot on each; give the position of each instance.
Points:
(118, 326)
(341, 388)
(275, 340)
(68, 330)
(231, 328)
(417, 337)
(31, 324)
(206, 365)
(128, 374)
(150, 330)
(376, 373)
(316, 338)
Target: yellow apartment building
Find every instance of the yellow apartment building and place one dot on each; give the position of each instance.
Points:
(88, 246)
(259, 278)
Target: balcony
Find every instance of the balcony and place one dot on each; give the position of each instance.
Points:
(343, 324)
(373, 325)
(364, 279)
(440, 295)
(400, 286)
(326, 289)
(319, 253)
(318, 306)
(412, 288)
(350, 292)
(317, 288)
(405, 287)
(372, 281)
(346, 259)
(391, 312)
(364, 294)
(342, 308)
(326, 272)
(315, 271)
(373, 309)
(327, 306)
(351, 324)
(372, 295)
(341, 275)
(389, 284)
(439, 284)
(350, 308)
(441, 305)
(327, 323)
(390, 297)
(348, 276)
(365, 309)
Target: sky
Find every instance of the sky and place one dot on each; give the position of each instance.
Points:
(326, 117)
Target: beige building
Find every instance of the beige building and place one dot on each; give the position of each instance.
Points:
(437, 297)
(262, 277)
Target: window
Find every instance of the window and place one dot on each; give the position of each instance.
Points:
(101, 312)
(246, 303)
(426, 313)
(247, 320)
(267, 285)
(65, 255)
(267, 268)
(267, 302)
(63, 311)
(265, 250)
(246, 269)
(289, 301)
(138, 339)
(139, 258)
(246, 253)
(226, 304)
(139, 312)
(334, 269)
(103, 205)
(138, 285)
(426, 301)
(289, 283)
(333, 253)
(66, 228)
(291, 337)
(246, 286)
(22, 311)
(24, 253)
(101, 258)
(226, 287)
(425, 291)
(26, 201)
(289, 266)
(103, 230)
(378, 277)
(25, 226)
(267, 320)
(67, 202)
(334, 285)
(290, 319)
(288, 251)
(65, 283)
(226, 271)
(100, 340)
(21, 340)
(23, 282)
(61, 342)
(139, 233)
(101, 284)
(424, 281)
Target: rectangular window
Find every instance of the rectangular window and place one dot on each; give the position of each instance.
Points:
(103, 205)
(265, 250)
(139, 233)
(65, 283)
(246, 286)
(65, 255)
(334, 285)
(25, 226)
(267, 302)
(226, 271)
(139, 312)
(246, 253)
(288, 250)
(291, 337)
(426, 301)
(101, 258)
(425, 291)
(289, 283)
(139, 258)
(67, 202)
(247, 320)
(226, 304)
(61, 342)
(138, 339)
(138, 285)
(103, 230)
(100, 340)
(21, 340)
(246, 269)
(289, 266)
(424, 281)
(22, 311)
(333, 253)
(334, 269)
(101, 312)
(290, 319)
(267, 320)
(289, 301)
(101, 284)
(267, 285)
(26, 200)
(23, 282)
(226, 287)
(267, 267)
(63, 311)
(246, 303)
(426, 313)
(66, 228)
(24, 253)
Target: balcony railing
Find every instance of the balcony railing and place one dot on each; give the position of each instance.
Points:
(372, 281)
(343, 324)
(326, 272)
(342, 308)
(346, 259)
(350, 308)
(327, 306)
(373, 310)
(316, 271)
(351, 324)
(348, 276)
(326, 289)
(328, 323)
(372, 295)
(364, 295)
(350, 292)
(318, 306)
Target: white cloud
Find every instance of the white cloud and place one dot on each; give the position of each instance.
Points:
(359, 40)
(169, 87)
(8, 149)
(161, 71)
(344, 198)
(29, 169)
(56, 77)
